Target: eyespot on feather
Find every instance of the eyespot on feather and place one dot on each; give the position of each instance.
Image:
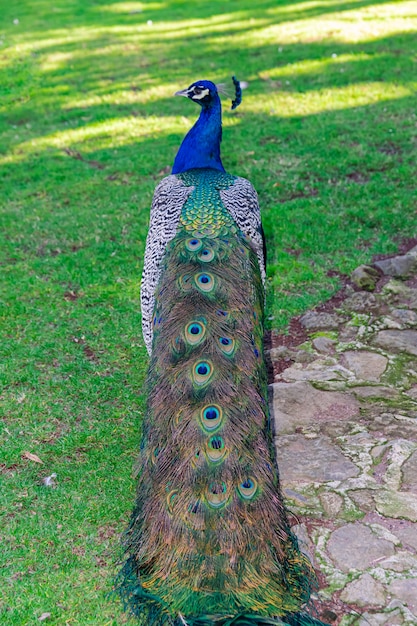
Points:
(154, 455)
(194, 333)
(197, 459)
(248, 488)
(171, 500)
(216, 495)
(227, 345)
(178, 345)
(193, 244)
(206, 255)
(204, 281)
(202, 372)
(179, 416)
(211, 417)
(185, 282)
(216, 450)
(194, 517)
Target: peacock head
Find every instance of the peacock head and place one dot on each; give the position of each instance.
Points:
(204, 92)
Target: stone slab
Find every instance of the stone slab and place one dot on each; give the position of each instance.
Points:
(332, 503)
(315, 372)
(364, 591)
(375, 392)
(303, 461)
(313, 320)
(401, 266)
(299, 404)
(355, 546)
(360, 302)
(365, 365)
(404, 316)
(405, 590)
(365, 277)
(409, 474)
(397, 341)
(403, 561)
(363, 498)
(304, 542)
(408, 535)
(398, 504)
(322, 344)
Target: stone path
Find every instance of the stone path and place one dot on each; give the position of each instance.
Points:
(345, 415)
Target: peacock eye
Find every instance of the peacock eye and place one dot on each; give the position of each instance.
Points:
(217, 495)
(194, 333)
(204, 281)
(227, 345)
(193, 244)
(171, 497)
(216, 443)
(248, 488)
(206, 255)
(202, 372)
(211, 417)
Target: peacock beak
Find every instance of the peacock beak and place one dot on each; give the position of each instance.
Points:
(183, 92)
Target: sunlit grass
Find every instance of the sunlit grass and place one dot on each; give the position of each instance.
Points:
(289, 104)
(326, 132)
(131, 7)
(110, 133)
(318, 66)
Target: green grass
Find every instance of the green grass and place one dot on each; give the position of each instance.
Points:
(327, 133)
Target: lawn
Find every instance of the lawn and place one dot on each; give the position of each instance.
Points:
(327, 133)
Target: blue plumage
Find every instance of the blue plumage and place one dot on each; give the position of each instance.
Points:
(201, 145)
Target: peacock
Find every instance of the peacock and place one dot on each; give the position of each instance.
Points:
(209, 542)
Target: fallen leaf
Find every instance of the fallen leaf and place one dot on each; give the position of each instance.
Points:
(44, 616)
(31, 457)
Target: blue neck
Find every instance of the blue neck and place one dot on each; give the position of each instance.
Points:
(201, 145)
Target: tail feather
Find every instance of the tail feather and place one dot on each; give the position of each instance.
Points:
(296, 619)
(154, 612)
(209, 542)
(303, 619)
